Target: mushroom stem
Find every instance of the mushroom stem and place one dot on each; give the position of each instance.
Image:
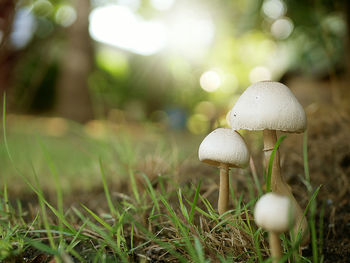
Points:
(224, 189)
(275, 247)
(278, 185)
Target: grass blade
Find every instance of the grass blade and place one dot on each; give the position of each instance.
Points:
(305, 156)
(269, 171)
(98, 219)
(42, 247)
(134, 188)
(182, 206)
(112, 209)
(151, 192)
(194, 203)
(58, 185)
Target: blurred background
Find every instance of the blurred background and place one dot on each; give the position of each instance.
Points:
(179, 64)
(137, 85)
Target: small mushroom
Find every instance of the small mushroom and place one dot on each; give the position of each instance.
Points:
(271, 106)
(275, 214)
(224, 148)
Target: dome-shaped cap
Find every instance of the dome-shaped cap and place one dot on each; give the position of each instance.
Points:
(274, 213)
(224, 145)
(268, 105)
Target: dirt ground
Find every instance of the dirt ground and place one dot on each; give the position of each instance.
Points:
(329, 162)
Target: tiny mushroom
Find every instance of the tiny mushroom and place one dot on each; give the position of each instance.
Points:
(271, 106)
(224, 148)
(275, 214)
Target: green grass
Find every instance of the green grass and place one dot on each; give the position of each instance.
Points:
(269, 170)
(153, 219)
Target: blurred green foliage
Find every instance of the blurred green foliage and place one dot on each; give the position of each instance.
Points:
(307, 37)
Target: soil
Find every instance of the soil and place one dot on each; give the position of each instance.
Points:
(329, 163)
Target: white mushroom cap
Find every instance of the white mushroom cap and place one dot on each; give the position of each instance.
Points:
(224, 145)
(274, 213)
(268, 105)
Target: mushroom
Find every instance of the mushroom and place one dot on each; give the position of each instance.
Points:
(224, 148)
(271, 106)
(275, 214)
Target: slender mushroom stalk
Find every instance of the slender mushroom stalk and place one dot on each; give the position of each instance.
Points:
(275, 214)
(224, 148)
(278, 185)
(275, 246)
(224, 188)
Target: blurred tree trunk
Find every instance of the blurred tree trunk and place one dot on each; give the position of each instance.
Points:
(347, 49)
(73, 100)
(7, 12)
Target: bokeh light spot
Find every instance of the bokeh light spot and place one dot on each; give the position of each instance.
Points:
(335, 24)
(24, 26)
(113, 62)
(56, 127)
(95, 129)
(274, 8)
(65, 15)
(210, 81)
(282, 28)
(259, 73)
(198, 124)
(42, 8)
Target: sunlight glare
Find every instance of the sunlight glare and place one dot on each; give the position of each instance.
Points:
(120, 27)
(131, 4)
(186, 32)
(162, 5)
(191, 33)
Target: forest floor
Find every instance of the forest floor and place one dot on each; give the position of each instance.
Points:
(155, 197)
(328, 114)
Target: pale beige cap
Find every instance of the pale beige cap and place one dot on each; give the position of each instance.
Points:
(274, 213)
(268, 105)
(224, 145)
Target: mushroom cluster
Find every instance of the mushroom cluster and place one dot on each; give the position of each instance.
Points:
(267, 106)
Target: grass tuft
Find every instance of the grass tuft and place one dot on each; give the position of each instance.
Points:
(169, 219)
